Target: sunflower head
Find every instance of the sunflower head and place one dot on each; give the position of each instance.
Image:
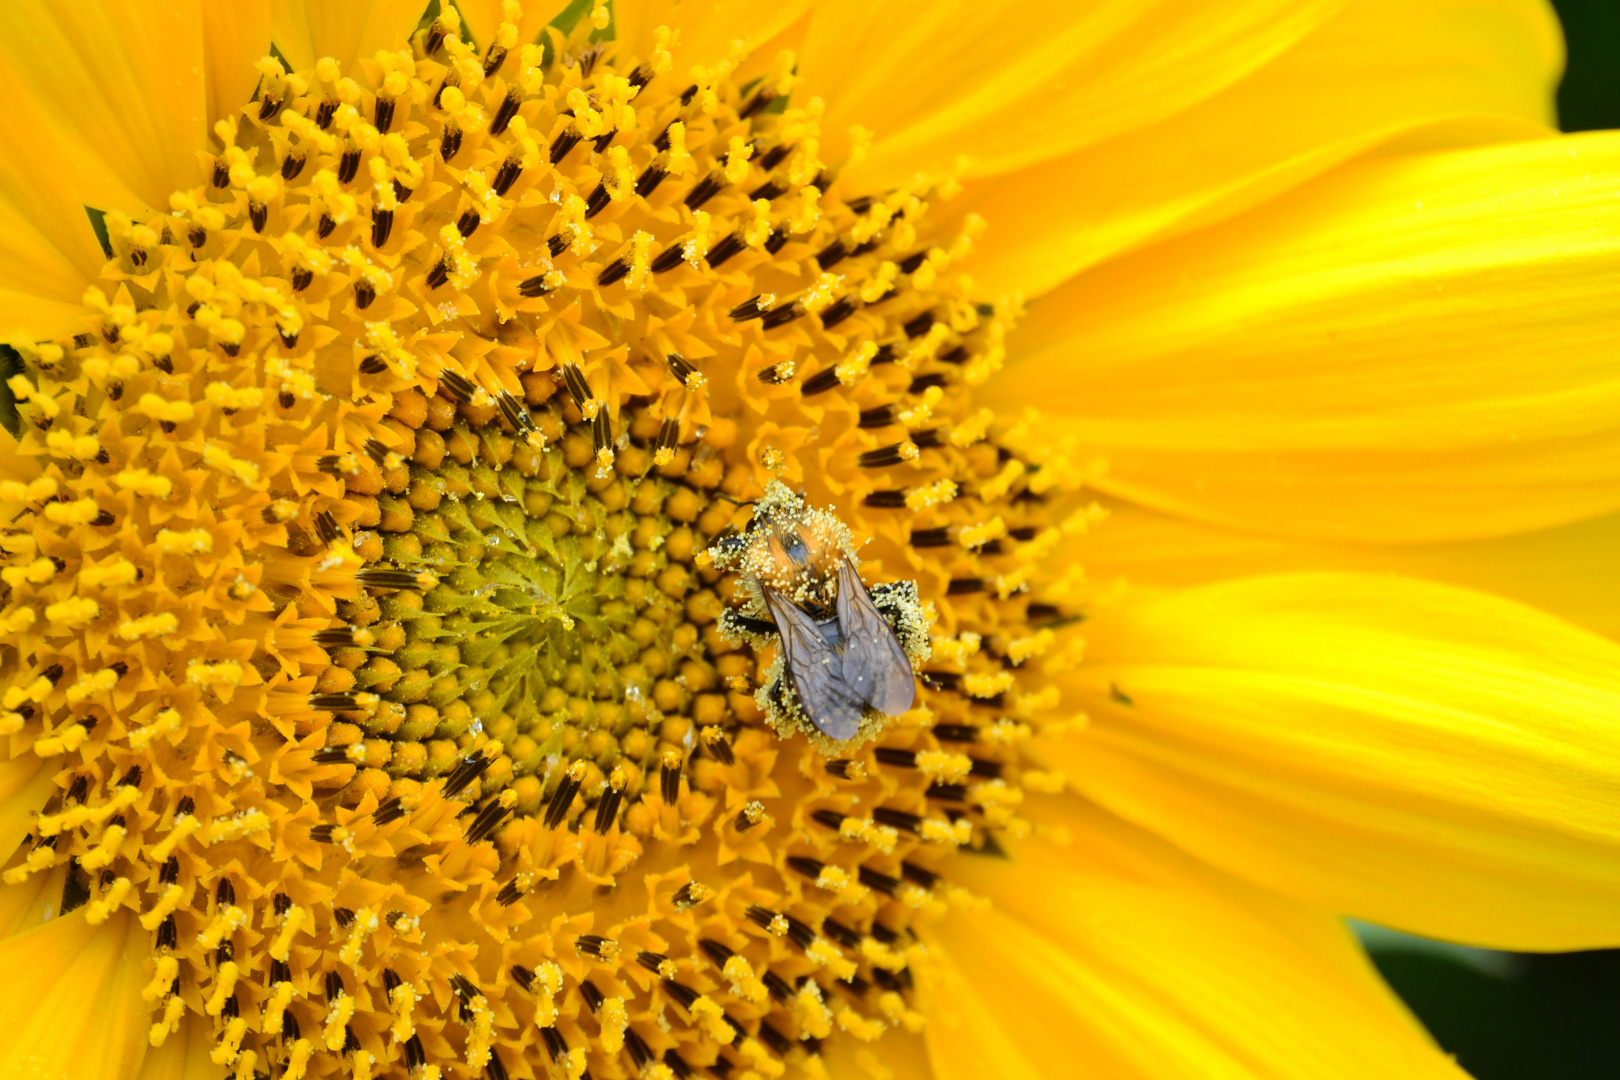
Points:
(366, 608)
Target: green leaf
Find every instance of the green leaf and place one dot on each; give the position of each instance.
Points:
(98, 222)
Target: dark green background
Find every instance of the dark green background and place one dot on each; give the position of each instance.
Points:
(1520, 1017)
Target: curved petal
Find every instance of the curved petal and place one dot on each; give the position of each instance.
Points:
(1012, 86)
(1410, 753)
(121, 82)
(308, 30)
(1114, 957)
(708, 32)
(236, 34)
(1433, 75)
(1567, 571)
(78, 1015)
(1414, 349)
(184, 1055)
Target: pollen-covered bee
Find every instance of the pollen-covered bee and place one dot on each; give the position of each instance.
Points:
(846, 653)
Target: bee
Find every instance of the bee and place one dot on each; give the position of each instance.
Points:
(846, 652)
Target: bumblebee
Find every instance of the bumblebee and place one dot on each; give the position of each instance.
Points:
(846, 652)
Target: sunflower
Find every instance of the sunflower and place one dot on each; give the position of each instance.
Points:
(383, 694)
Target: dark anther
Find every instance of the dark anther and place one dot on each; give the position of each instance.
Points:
(641, 76)
(580, 390)
(322, 834)
(955, 356)
(382, 115)
(602, 142)
(779, 1043)
(364, 294)
(351, 1041)
(810, 868)
(862, 249)
(415, 1053)
(688, 94)
(593, 945)
(435, 38)
(168, 934)
(669, 433)
(832, 819)
(132, 778)
(561, 800)
(103, 518)
(292, 165)
(947, 792)
(222, 175)
(878, 882)
(513, 411)
(507, 176)
(721, 748)
(677, 1064)
(279, 971)
(388, 811)
(616, 270)
(225, 953)
(662, 142)
(961, 733)
(686, 896)
(649, 180)
(597, 201)
(509, 895)
(843, 935)
(705, 189)
(882, 457)
(917, 875)
(782, 316)
(463, 987)
(493, 59)
(80, 788)
(725, 249)
(601, 431)
(467, 223)
(820, 382)
(269, 107)
(348, 166)
(53, 673)
(911, 262)
(774, 156)
(668, 259)
(325, 112)
(556, 1045)
(640, 1052)
(860, 205)
(487, 821)
(894, 755)
(856, 985)
(289, 1026)
(373, 365)
(607, 810)
(138, 255)
(831, 255)
(896, 819)
(76, 887)
(198, 236)
(449, 143)
(748, 309)
(533, 286)
(651, 960)
(466, 771)
(324, 227)
(927, 439)
(756, 103)
(776, 241)
(503, 114)
(326, 527)
(839, 767)
(669, 779)
(556, 244)
(964, 586)
(564, 142)
(523, 977)
(439, 274)
(289, 339)
(1039, 612)
(776, 374)
(460, 387)
(930, 538)
(990, 770)
(920, 325)
(885, 500)
(382, 223)
(334, 985)
(301, 279)
(593, 997)
(331, 755)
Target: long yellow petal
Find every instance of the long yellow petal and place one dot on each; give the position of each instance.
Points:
(1411, 753)
(121, 81)
(1010, 86)
(1567, 571)
(308, 30)
(1432, 75)
(78, 1013)
(1410, 349)
(236, 33)
(708, 33)
(184, 1055)
(1113, 956)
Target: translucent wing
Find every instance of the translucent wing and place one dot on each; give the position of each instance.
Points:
(810, 649)
(876, 669)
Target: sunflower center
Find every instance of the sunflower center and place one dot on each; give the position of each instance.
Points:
(360, 605)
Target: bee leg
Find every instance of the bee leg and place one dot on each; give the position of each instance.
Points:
(734, 625)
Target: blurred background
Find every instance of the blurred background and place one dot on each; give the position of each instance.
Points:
(1512, 1016)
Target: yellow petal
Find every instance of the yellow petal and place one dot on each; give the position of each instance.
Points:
(481, 19)
(184, 1055)
(1408, 349)
(308, 30)
(1010, 86)
(25, 784)
(73, 1002)
(1410, 753)
(1567, 571)
(236, 34)
(709, 32)
(120, 81)
(1433, 75)
(1113, 956)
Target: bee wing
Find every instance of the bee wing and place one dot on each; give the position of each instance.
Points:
(810, 650)
(876, 668)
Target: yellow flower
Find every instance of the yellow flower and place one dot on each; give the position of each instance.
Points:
(381, 703)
